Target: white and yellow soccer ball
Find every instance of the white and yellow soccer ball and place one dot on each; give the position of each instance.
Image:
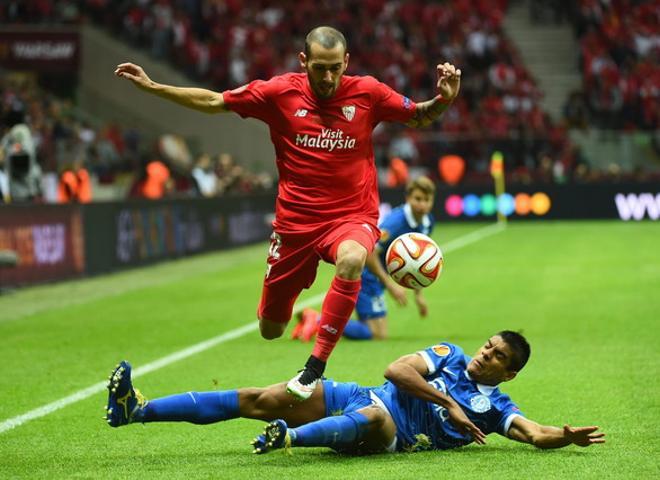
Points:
(414, 260)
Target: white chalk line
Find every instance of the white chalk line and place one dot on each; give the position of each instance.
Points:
(49, 408)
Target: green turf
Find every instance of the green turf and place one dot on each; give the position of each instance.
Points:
(587, 295)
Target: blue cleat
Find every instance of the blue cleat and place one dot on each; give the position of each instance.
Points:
(125, 403)
(276, 435)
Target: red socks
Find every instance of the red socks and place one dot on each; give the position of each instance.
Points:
(337, 309)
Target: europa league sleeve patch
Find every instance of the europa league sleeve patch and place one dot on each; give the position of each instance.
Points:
(441, 350)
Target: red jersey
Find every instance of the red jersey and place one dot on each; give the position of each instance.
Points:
(324, 151)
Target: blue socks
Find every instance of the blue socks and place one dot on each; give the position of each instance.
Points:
(341, 432)
(356, 330)
(194, 407)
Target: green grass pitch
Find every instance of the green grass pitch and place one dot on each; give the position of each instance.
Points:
(586, 294)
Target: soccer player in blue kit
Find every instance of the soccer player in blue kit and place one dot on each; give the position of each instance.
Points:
(413, 216)
(434, 399)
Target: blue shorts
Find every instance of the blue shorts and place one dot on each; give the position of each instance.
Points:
(371, 299)
(341, 398)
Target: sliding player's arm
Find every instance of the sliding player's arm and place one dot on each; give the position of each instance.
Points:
(407, 373)
(199, 99)
(542, 436)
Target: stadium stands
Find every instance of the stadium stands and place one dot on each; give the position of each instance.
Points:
(225, 44)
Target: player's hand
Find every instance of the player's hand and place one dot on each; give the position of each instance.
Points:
(134, 73)
(583, 436)
(397, 292)
(449, 81)
(463, 424)
(422, 306)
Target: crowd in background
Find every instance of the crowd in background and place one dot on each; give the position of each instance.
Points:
(57, 140)
(225, 44)
(619, 42)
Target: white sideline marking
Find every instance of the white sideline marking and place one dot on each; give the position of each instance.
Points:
(19, 420)
(474, 236)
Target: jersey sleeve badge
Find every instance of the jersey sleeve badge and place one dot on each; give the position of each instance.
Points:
(441, 350)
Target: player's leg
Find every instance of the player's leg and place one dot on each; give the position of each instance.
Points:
(274, 402)
(126, 404)
(347, 246)
(378, 327)
(291, 267)
(368, 430)
(337, 307)
(371, 311)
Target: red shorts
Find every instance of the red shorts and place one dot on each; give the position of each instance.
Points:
(293, 259)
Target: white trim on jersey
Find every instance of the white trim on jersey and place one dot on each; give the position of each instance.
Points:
(509, 420)
(485, 389)
(410, 218)
(429, 362)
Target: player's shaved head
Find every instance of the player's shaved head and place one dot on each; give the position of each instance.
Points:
(327, 37)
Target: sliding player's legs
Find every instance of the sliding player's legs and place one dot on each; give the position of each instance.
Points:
(355, 422)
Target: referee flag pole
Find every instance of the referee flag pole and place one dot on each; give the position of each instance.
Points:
(497, 172)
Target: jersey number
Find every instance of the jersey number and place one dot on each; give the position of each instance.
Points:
(273, 251)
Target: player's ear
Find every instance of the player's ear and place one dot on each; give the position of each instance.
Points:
(510, 375)
(303, 60)
(346, 57)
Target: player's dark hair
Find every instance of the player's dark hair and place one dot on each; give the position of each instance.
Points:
(327, 37)
(425, 184)
(519, 346)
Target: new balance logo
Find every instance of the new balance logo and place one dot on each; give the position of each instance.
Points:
(301, 112)
(636, 206)
(329, 329)
(365, 225)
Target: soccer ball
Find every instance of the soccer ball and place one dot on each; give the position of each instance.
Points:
(414, 260)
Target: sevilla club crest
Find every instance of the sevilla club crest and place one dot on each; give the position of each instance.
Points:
(348, 111)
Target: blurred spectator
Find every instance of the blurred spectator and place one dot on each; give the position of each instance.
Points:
(153, 181)
(397, 173)
(74, 184)
(206, 181)
(18, 151)
(4, 182)
(576, 111)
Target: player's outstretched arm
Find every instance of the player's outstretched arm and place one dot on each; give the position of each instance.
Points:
(449, 84)
(542, 436)
(397, 292)
(200, 99)
(407, 373)
(422, 306)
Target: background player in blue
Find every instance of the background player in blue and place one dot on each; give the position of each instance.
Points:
(412, 216)
(437, 398)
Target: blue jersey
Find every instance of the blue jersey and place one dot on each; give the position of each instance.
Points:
(371, 301)
(424, 425)
(399, 221)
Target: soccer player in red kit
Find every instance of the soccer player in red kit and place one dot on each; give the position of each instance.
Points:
(320, 123)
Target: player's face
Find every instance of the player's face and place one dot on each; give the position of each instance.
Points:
(420, 203)
(490, 364)
(324, 68)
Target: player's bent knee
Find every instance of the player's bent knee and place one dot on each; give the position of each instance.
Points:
(350, 265)
(271, 330)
